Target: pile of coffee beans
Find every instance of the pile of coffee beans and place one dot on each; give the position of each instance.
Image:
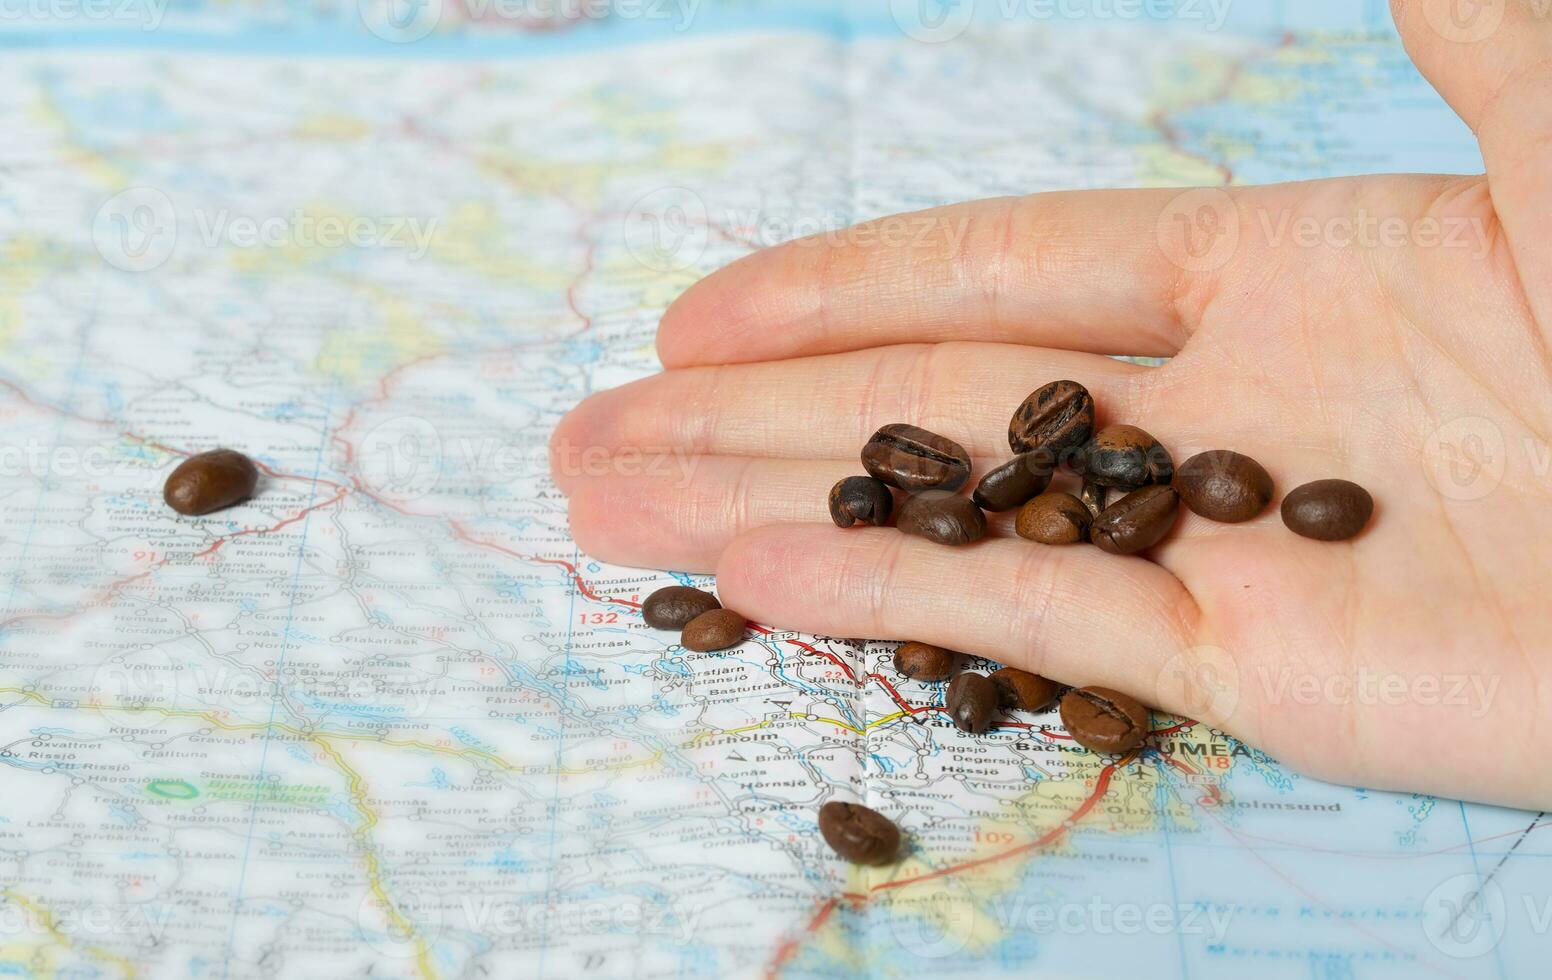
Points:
(1123, 494)
(704, 626)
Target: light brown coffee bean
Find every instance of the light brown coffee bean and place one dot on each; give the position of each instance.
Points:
(925, 662)
(1103, 720)
(1019, 690)
(673, 607)
(1054, 518)
(859, 834)
(972, 702)
(717, 629)
(210, 481)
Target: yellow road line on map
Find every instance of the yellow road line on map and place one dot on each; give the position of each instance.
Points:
(61, 938)
(849, 727)
(725, 731)
(373, 867)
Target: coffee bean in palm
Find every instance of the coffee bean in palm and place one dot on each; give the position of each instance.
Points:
(210, 481)
(1055, 418)
(1019, 690)
(925, 662)
(673, 607)
(911, 458)
(861, 500)
(1124, 456)
(1054, 518)
(1102, 720)
(946, 518)
(972, 702)
(1328, 510)
(1137, 521)
(1224, 486)
(717, 629)
(859, 834)
(1008, 486)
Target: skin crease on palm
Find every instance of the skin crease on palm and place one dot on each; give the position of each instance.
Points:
(1417, 657)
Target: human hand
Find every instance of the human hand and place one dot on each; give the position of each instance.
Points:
(1417, 363)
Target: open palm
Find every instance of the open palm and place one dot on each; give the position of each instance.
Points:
(1394, 331)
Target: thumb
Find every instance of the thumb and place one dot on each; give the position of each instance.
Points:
(1492, 61)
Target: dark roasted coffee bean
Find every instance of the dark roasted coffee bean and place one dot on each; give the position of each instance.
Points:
(946, 518)
(209, 481)
(912, 458)
(1102, 720)
(1138, 520)
(1019, 690)
(972, 702)
(1095, 498)
(1008, 486)
(673, 607)
(1054, 518)
(1124, 456)
(1328, 510)
(1057, 417)
(861, 500)
(716, 629)
(859, 834)
(1224, 486)
(925, 662)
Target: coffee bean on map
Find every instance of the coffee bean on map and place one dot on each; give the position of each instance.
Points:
(972, 702)
(1102, 720)
(1224, 486)
(1019, 690)
(1054, 518)
(861, 500)
(1328, 510)
(1137, 521)
(673, 607)
(1056, 417)
(946, 518)
(925, 662)
(1008, 486)
(912, 458)
(859, 834)
(716, 629)
(1124, 456)
(209, 481)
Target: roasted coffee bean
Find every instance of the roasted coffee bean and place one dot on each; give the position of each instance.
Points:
(1056, 418)
(946, 518)
(716, 629)
(1328, 510)
(1019, 690)
(673, 607)
(1008, 486)
(1102, 720)
(1054, 518)
(925, 662)
(209, 481)
(972, 702)
(912, 458)
(1224, 486)
(1124, 456)
(861, 500)
(859, 834)
(1138, 520)
(1095, 497)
